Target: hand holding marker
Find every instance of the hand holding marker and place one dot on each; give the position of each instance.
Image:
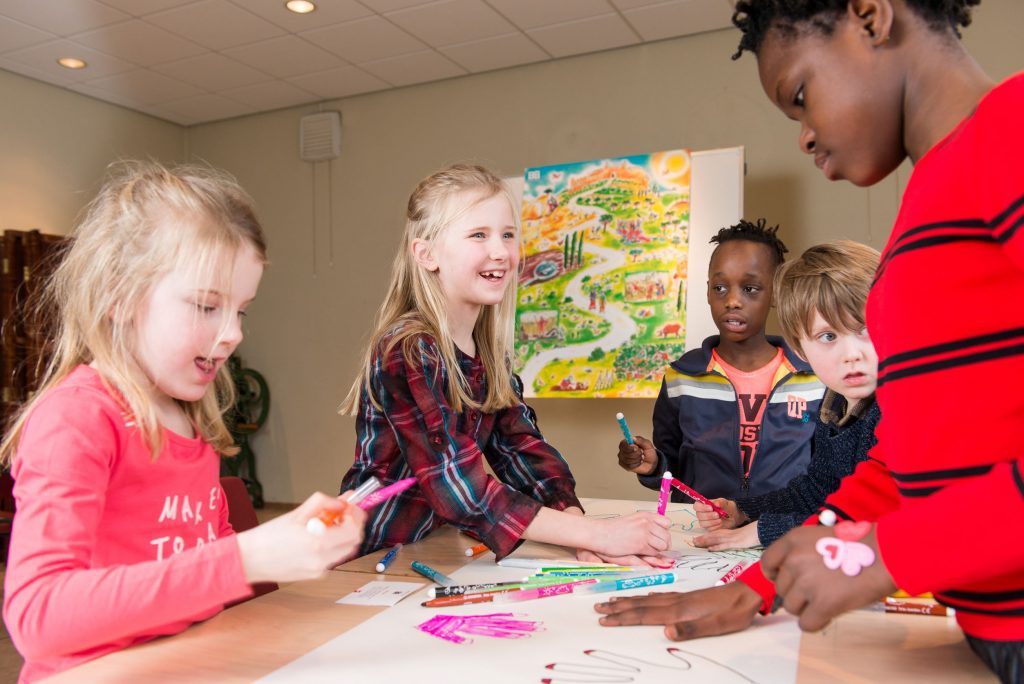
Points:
(666, 491)
(625, 428)
(697, 496)
(366, 496)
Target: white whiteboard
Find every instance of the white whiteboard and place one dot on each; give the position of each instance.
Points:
(716, 201)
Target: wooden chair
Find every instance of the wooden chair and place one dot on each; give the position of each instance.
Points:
(242, 517)
(6, 512)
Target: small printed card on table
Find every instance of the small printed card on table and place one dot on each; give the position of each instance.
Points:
(380, 593)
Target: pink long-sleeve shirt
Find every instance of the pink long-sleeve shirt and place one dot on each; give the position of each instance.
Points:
(110, 547)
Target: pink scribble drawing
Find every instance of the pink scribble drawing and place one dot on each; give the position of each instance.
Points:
(616, 668)
(499, 625)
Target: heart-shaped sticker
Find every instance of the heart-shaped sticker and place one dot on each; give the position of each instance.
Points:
(849, 556)
(848, 530)
(858, 556)
(831, 549)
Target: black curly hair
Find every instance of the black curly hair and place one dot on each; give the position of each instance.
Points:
(755, 17)
(754, 232)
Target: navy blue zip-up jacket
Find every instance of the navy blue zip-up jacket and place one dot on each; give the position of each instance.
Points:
(697, 427)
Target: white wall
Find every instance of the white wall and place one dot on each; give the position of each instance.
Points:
(55, 146)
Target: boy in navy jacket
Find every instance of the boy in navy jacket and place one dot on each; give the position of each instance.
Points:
(734, 419)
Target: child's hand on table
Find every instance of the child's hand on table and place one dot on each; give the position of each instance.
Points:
(720, 540)
(689, 615)
(630, 561)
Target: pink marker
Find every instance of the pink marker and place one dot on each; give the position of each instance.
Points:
(697, 496)
(541, 592)
(365, 496)
(666, 490)
(381, 495)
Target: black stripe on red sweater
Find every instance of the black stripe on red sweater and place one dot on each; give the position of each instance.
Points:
(840, 513)
(964, 608)
(1000, 229)
(985, 596)
(917, 492)
(947, 236)
(951, 346)
(924, 483)
(1006, 224)
(944, 474)
(958, 360)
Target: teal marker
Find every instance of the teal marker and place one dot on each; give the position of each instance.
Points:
(625, 428)
(432, 574)
(629, 583)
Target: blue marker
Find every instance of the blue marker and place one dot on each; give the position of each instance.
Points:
(628, 583)
(388, 557)
(625, 428)
(432, 575)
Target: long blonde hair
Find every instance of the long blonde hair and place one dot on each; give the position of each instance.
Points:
(146, 221)
(415, 303)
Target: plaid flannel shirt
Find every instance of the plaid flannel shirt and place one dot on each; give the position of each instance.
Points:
(417, 434)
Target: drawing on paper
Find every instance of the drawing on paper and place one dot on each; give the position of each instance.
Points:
(605, 667)
(601, 307)
(454, 628)
(572, 641)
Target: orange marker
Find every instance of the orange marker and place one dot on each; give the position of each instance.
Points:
(318, 525)
(916, 608)
(479, 548)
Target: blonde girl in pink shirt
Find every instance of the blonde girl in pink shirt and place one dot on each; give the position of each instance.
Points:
(122, 532)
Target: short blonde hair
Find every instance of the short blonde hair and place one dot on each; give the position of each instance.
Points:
(415, 302)
(146, 221)
(833, 279)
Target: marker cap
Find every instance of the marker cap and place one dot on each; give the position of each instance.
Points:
(318, 526)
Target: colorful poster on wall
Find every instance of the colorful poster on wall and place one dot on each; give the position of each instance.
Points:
(601, 306)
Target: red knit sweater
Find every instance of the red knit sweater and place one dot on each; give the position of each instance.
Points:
(946, 314)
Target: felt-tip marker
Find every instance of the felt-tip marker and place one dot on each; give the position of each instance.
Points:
(625, 428)
(318, 525)
(365, 496)
(388, 557)
(432, 574)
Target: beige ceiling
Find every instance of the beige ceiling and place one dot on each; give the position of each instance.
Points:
(191, 61)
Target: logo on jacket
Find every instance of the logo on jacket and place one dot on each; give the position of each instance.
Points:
(795, 406)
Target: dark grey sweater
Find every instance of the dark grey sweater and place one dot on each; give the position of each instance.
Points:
(836, 451)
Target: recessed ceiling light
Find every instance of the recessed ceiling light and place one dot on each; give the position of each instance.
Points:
(71, 63)
(300, 6)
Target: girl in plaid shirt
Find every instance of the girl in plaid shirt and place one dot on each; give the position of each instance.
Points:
(437, 398)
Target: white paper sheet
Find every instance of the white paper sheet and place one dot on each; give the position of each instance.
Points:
(573, 647)
(380, 593)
